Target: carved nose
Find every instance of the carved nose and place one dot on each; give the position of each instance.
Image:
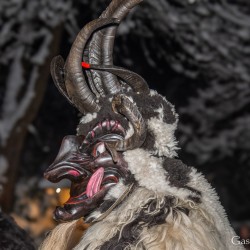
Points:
(69, 144)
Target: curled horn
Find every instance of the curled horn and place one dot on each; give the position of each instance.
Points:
(57, 73)
(122, 104)
(77, 88)
(137, 83)
(101, 48)
(98, 50)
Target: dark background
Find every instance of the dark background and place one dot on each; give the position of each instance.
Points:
(194, 52)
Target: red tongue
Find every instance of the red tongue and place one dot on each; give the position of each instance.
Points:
(94, 183)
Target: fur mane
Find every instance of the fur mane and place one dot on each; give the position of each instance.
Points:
(147, 220)
(171, 206)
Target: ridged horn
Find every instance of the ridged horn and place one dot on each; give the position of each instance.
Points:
(101, 48)
(57, 73)
(76, 86)
(136, 82)
(122, 104)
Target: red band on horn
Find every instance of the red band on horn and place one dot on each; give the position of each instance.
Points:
(85, 65)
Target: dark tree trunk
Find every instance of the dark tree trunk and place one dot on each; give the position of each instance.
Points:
(12, 149)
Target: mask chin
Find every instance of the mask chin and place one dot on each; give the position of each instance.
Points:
(71, 212)
(90, 167)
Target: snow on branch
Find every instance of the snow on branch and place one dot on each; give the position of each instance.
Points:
(25, 37)
(207, 42)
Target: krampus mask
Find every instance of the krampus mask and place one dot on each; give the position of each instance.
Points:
(116, 104)
(121, 162)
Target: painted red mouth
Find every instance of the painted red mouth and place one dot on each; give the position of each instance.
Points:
(97, 183)
(90, 168)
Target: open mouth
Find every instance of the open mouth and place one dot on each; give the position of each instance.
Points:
(89, 167)
(90, 181)
(87, 189)
(87, 194)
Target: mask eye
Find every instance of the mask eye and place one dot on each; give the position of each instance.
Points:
(98, 149)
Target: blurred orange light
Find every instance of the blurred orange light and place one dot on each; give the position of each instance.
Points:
(63, 195)
(50, 191)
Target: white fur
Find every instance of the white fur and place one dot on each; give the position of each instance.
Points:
(160, 111)
(149, 173)
(199, 230)
(152, 92)
(100, 232)
(210, 202)
(196, 231)
(193, 232)
(116, 191)
(206, 227)
(165, 142)
(88, 118)
(59, 237)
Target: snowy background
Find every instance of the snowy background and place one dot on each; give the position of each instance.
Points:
(195, 52)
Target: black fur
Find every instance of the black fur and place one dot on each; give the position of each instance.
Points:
(195, 191)
(105, 112)
(130, 237)
(196, 196)
(106, 205)
(147, 106)
(178, 176)
(195, 199)
(161, 216)
(183, 210)
(177, 172)
(11, 236)
(130, 179)
(131, 232)
(149, 141)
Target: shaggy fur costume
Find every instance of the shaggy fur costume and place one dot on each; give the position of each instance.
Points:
(171, 205)
(127, 133)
